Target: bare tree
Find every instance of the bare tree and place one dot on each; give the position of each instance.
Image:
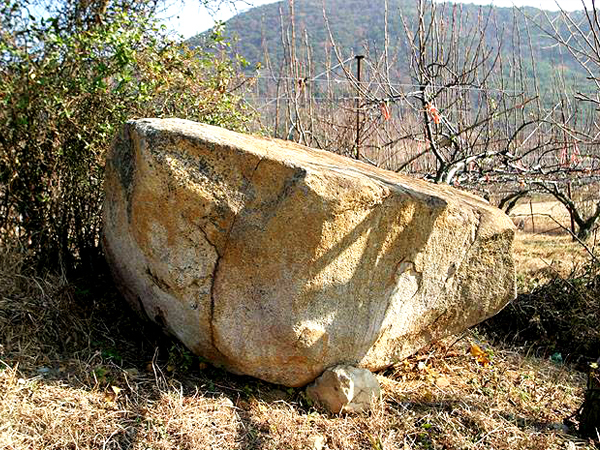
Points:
(467, 113)
(567, 156)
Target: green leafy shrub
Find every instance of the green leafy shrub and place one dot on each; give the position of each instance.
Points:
(68, 80)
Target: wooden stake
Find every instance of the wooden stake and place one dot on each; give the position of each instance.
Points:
(571, 212)
(532, 221)
(359, 58)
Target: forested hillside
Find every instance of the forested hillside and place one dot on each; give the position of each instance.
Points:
(358, 27)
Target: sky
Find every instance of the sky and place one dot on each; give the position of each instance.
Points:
(188, 18)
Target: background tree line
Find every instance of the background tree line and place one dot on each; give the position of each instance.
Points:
(503, 101)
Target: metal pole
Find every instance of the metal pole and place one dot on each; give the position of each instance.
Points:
(359, 58)
(570, 212)
(532, 220)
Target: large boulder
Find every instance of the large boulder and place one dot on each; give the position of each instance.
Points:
(278, 261)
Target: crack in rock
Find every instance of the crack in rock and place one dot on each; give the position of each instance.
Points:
(218, 266)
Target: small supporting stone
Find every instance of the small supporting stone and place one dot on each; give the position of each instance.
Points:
(345, 389)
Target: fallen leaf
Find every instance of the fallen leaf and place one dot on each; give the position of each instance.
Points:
(476, 350)
(427, 396)
(480, 355)
(110, 398)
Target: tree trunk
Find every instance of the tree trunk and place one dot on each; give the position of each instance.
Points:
(589, 419)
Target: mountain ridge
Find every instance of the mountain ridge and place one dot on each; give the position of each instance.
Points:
(358, 28)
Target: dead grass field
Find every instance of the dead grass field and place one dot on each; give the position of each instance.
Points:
(543, 246)
(79, 371)
(541, 217)
(540, 213)
(541, 256)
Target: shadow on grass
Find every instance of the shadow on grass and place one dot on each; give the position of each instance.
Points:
(559, 317)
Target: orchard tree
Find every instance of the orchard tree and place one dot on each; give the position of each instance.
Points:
(471, 113)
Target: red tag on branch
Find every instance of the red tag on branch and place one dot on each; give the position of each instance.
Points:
(385, 111)
(569, 158)
(433, 113)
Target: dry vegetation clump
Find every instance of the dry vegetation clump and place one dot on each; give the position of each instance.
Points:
(80, 371)
(558, 306)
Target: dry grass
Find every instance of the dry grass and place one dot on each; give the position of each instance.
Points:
(540, 257)
(77, 371)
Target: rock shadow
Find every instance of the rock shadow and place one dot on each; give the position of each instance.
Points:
(322, 296)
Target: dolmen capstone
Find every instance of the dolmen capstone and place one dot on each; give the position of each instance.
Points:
(279, 261)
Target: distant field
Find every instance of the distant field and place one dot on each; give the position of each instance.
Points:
(543, 246)
(541, 216)
(542, 213)
(544, 255)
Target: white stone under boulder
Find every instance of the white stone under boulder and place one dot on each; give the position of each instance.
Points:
(278, 261)
(345, 389)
